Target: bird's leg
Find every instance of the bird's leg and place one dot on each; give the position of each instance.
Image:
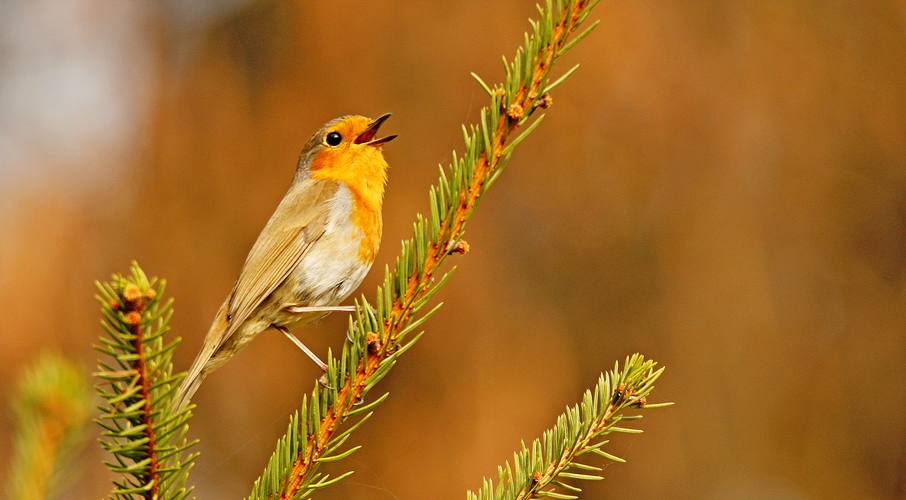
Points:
(306, 309)
(309, 309)
(302, 346)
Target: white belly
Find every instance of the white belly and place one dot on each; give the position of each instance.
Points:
(330, 270)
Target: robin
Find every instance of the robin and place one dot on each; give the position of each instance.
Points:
(313, 252)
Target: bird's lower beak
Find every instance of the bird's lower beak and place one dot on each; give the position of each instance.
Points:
(367, 137)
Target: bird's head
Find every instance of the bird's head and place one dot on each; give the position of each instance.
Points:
(346, 149)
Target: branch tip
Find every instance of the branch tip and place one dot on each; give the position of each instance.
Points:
(515, 111)
(461, 247)
(133, 318)
(545, 102)
(132, 294)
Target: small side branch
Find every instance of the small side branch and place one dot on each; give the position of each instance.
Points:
(550, 464)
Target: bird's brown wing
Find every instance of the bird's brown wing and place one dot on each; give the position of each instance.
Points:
(296, 225)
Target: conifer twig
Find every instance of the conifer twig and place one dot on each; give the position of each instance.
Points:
(143, 429)
(579, 431)
(375, 338)
(51, 406)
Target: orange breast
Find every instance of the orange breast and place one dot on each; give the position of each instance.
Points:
(368, 220)
(363, 170)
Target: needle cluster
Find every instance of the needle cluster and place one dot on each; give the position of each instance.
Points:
(550, 464)
(142, 427)
(51, 405)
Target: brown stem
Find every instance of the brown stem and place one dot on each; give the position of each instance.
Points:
(418, 283)
(134, 320)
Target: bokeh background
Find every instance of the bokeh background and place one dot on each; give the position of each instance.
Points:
(721, 186)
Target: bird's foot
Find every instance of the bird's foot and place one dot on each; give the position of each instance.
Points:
(350, 332)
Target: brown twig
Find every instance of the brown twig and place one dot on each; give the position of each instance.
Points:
(135, 307)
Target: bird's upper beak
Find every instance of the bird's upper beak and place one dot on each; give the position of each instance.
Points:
(367, 137)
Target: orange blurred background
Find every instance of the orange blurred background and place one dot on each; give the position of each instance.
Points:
(721, 186)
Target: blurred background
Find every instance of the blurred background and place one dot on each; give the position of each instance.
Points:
(721, 186)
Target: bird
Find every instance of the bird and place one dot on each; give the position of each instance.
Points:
(314, 251)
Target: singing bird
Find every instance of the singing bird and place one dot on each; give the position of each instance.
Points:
(313, 252)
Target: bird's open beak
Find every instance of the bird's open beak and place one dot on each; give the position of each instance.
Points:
(367, 137)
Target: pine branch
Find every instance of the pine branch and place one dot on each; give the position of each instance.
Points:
(378, 335)
(539, 470)
(142, 427)
(51, 405)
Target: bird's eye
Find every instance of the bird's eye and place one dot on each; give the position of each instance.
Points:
(334, 139)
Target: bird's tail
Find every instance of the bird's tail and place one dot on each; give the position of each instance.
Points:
(203, 365)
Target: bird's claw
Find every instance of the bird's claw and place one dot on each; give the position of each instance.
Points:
(351, 331)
